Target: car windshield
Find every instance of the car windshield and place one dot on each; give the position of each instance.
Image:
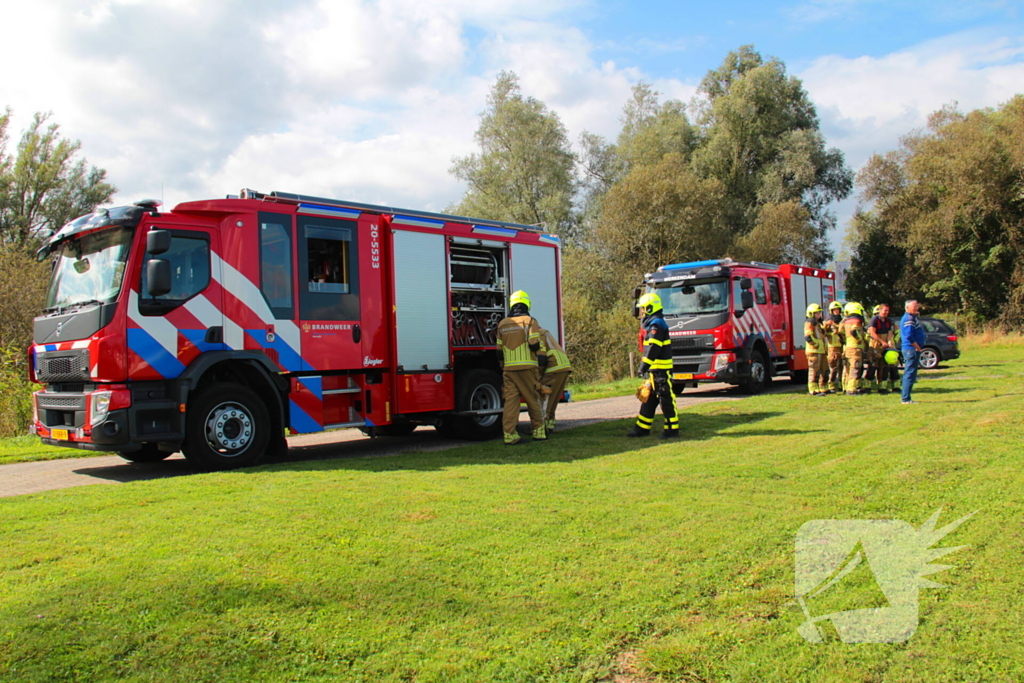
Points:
(89, 269)
(695, 298)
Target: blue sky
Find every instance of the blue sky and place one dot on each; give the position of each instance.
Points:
(370, 101)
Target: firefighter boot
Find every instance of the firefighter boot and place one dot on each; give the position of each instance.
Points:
(549, 426)
(670, 433)
(539, 434)
(638, 431)
(512, 439)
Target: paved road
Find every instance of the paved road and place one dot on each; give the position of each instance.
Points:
(34, 477)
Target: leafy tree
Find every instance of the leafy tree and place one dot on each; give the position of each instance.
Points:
(760, 136)
(950, 198)
(44, 186)
(524, 171)
(878, 266)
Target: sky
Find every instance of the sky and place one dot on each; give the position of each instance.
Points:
(370, 101)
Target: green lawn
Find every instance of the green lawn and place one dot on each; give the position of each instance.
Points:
(586, 558)
(29, 448)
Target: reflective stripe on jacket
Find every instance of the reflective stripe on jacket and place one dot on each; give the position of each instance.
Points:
(515, 335)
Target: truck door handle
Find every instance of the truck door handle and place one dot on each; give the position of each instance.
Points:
(357, 334)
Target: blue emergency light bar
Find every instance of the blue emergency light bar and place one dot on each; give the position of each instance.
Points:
(691, 264)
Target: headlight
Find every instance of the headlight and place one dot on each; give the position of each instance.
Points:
(722, 361)
(99, 404)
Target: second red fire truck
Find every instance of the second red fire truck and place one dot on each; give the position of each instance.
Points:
(738, 323)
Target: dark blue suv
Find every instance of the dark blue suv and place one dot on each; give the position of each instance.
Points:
(940, 341)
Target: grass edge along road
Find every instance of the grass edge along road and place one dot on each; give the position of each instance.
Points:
(578, 559)
(28, 448)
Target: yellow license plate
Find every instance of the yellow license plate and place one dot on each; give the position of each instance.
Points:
(682, 375)
(60, 434)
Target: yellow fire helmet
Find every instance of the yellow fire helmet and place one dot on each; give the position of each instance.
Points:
(853, 308)
(876, 309)
(812, 309)
(519, 297)
(834, 305)
(892, 357)
(650, 303)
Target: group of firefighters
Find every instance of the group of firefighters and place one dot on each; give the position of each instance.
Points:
(847, 353)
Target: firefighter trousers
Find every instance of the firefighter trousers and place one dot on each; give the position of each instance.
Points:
(661, 395)
(516, 384)
(556, 382)
(853, 366)
(817, 373)
(835, 367)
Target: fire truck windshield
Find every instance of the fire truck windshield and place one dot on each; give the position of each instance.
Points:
(695, 298)
(88, 269)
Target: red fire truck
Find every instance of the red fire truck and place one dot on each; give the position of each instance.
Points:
(739, 323)
(218, 326)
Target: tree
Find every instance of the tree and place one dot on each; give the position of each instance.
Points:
(524, 171)
(878, 265)
(44, 185)
(950, 199)
(761, 138)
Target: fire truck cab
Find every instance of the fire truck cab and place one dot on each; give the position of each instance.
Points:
(738, 323)
(218, 326)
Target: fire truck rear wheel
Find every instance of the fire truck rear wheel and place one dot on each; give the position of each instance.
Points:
(477, 390)
(227, 426)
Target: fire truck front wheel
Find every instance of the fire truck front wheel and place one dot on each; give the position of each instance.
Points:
(227, 426)
(758, 379)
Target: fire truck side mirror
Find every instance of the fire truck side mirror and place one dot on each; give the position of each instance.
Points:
(158, 241)
(637, 293)
(158, 276)
(747, 299)
(746, 284)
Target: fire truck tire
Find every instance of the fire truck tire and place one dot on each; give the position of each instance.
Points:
(227, 426)
(758, 379)
(478, 389)
(148, 453)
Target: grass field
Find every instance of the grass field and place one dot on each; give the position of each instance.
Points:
(587, 558)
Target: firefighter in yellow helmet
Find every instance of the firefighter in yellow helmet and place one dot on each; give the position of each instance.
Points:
(553, 378)
(855, 342)
(657, 364)
(817, 355)
(520, 353)
(834, 337)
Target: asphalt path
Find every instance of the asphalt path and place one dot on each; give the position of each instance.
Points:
(35, 477)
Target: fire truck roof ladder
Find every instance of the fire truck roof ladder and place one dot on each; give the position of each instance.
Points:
(297, 198)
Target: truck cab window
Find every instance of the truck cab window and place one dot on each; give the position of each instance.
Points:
(189, 257)
(759, 294)
(328, 259)
(276, 264)
(773, 290)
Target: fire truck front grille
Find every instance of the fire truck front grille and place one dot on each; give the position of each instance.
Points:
(692, 346)
(74, 402)
(63, 366)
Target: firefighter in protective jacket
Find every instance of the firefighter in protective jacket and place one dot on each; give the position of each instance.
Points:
(656, 365)
(855, 338)
(817, 356)
(553, 378)
(835, 346)
(520, 353)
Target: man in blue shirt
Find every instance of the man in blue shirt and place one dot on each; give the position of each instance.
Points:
(913, 339)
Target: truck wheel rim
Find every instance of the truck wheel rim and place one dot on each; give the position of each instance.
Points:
(229, 429)
(485, 397)
(757, 372)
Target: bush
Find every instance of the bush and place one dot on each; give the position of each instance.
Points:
(15, 392)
